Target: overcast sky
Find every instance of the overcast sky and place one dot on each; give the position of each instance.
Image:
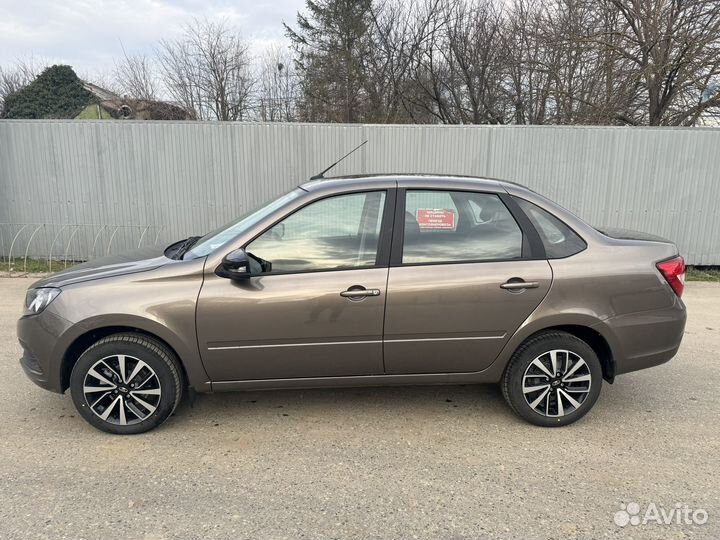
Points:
(86, 34)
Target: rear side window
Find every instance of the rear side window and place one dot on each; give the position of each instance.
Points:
(560, 241)
(456, 226)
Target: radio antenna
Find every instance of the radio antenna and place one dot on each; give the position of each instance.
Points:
(322, 174)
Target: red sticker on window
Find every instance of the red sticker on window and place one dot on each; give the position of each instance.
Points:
(436, 219)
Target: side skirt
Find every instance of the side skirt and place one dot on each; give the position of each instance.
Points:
(491, 375)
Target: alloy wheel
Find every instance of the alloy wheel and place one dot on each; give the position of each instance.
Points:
(556, 383)
(122, 390)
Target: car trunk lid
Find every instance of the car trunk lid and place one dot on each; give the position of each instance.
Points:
(627, 234)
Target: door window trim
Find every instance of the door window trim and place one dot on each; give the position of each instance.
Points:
(532, 246)
(382, 258)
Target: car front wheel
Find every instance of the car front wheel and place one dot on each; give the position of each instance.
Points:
(126, 384)
(553, 379)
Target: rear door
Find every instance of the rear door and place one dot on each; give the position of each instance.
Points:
(465, 273)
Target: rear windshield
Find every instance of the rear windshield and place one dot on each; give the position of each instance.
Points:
(560, 241)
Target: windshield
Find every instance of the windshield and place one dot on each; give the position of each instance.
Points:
(219, 237)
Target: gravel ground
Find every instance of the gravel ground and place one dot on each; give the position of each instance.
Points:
(430, 462)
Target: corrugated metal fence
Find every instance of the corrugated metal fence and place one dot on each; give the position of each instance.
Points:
(173, 179)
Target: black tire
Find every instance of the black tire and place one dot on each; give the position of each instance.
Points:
(158, 359)
(534, 348)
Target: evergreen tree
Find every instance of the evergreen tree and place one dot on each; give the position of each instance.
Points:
(332, 42)
(56, 93)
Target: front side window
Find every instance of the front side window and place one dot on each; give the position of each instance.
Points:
(559, 240)
(454, 226)
(330, 234)
(214, 240)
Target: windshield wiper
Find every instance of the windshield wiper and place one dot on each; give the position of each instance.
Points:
(178, 249)
(186, 245)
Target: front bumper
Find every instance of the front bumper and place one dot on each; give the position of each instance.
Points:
(40, 337)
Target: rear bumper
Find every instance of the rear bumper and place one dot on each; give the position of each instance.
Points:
(645, 339)
(39, 336)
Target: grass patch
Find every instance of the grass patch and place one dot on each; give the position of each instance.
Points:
(702, 273)
(33, 266)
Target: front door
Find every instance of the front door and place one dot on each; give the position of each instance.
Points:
(461, 285)
(318, 309)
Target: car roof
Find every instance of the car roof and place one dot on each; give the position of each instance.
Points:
(427, 181)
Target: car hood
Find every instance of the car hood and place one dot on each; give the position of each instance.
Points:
(131, 262)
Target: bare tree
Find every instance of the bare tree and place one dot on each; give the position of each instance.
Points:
(573, 80)
(134, 76)
(182, 78)
(588, 84)
(399, 33)
(674, 46)
(277, 86)
(634, 62)
(475, 59)
(528, 80)
(208, 70)
(17, 76)
(102, 77)
(425, 96)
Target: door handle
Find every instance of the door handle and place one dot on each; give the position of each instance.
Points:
(357, 292)
(519, 285)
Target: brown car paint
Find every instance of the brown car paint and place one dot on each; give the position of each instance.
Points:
(294, 325)
(455, 318)
(443, 324)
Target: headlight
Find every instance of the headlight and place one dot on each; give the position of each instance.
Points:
(37, 300)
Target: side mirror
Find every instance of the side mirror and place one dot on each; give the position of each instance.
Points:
(235, 265)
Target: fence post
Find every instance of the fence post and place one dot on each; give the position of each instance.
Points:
(27, 247)
(13, 243)
(96, 239)
(107, 251)
(142, 236)
(67, 246)
(53, 245)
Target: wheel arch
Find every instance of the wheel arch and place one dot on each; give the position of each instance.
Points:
(595, 340)
(585, 327)
(81, 343)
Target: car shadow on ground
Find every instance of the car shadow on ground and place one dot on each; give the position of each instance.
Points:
(426, 405)
(372, 404)
(377, 405)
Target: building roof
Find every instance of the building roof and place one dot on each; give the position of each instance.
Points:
(141, 109)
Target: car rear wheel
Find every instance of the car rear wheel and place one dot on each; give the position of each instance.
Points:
(126, 384)
(553, 379)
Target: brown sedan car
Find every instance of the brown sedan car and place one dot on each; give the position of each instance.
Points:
(386, 280)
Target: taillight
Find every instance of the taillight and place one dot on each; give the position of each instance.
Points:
(673, 270)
